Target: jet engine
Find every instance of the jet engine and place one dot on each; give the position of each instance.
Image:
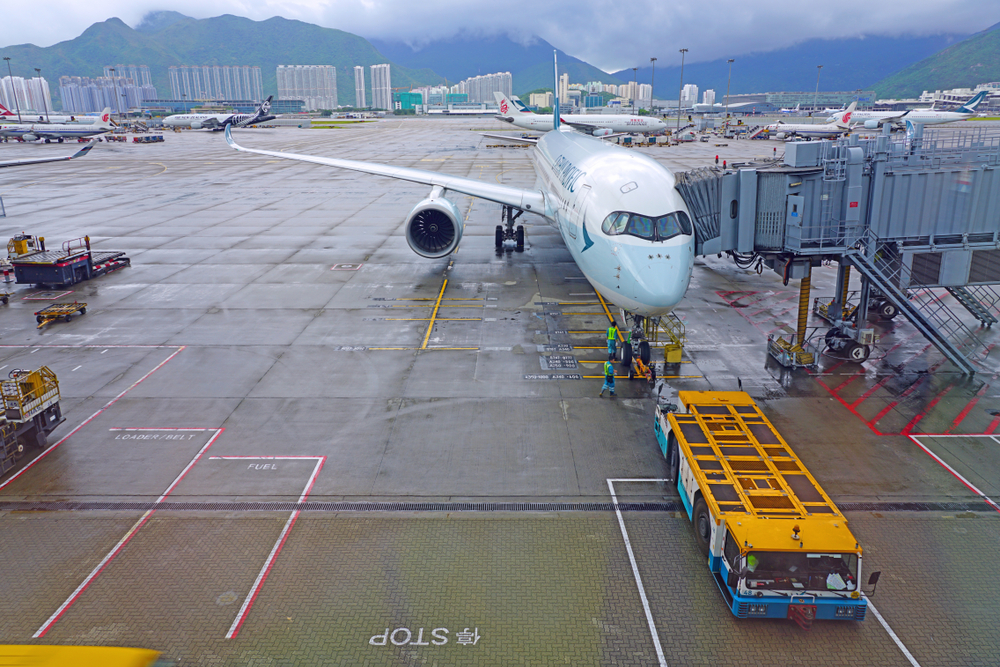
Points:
(29, 137)
(195, 125)
(602, 132)
(871, 124)
(434, 228)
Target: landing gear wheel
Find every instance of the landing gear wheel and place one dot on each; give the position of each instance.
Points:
(886, 310)
(627, 355)
(673, 457)
(644, 353)
(499, 237)
(519, 238)
(702, 524)
(858, 352)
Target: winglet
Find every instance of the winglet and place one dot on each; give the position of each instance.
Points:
(229, 137)
(555, 93)
(83, 151)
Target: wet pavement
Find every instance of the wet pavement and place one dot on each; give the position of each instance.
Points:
(291, 441)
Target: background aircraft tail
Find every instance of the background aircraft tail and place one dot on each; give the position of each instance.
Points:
(507, 107)
(970, 106)
(845, 118)
(104, 120)
(555, 90)
(4, 111)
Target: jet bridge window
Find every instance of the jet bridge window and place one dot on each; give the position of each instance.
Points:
(645, 227)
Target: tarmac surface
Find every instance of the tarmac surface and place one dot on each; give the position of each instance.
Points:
(291, 441)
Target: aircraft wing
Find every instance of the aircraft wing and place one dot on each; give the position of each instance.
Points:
(528, 200)
(507, 137)
(20, 163)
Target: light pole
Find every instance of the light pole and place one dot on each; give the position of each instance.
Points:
(114, 82)
(679, 91)
(44, 102)
(652, 89)
(184, 99)
(728, 83)
(635, 87)
(13, 90)
(819, 69)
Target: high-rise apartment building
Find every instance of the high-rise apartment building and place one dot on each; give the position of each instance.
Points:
(708, 97)
(359, 87)
(480, 89)
(381, 87)
(216, 82)
(316, 85)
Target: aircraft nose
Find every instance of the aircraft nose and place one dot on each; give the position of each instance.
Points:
(661, 273)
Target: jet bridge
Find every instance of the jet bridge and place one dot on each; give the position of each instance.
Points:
(912, 214)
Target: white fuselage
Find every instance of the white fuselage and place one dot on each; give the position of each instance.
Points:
(807, 130)
(584, 180)
(899, 118)
(612, 122)
(207, 120)
(33, 131)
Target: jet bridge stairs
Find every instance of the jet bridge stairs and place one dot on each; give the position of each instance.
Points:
(918, 217)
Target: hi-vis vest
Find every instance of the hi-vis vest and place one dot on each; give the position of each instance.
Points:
(612, 332)
(609, 370)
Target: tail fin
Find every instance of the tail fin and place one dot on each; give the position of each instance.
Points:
(970, 106)
(104, 120)
(845, 118)
(521, 106)
(4, 111)
(507, 107)
(265, 106)
(555, 91)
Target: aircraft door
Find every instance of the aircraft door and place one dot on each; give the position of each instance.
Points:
(578, 211)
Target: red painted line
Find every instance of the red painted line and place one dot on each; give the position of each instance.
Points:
(883, 413)
(850, 408)
(930, 406)
(967, 409)
(850, 380)
(993, 425)
(64, 607)
(969, 485)
(871, 391)
(90, 418)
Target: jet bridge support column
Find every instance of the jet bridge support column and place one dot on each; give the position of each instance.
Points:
(800, 330)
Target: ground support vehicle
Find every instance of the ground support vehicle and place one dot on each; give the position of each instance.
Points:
(776, 544)
(75, 263)
(59, 311)
(31, 412)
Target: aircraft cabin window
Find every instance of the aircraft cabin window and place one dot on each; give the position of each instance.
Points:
(644, 227)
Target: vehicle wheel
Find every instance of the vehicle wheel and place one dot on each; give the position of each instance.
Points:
(39, 319)
(836, 340)
(519, 238)
(6, 300)
(858, 352)
(887, 311)
(59, 140)
(644, 353)
(673, 456)
(67, 318)
(702, 524)
(626, 355)
(83, 311)
(48, 141)
(499, 237)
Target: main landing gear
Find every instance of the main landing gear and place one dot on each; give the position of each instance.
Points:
(507, 232)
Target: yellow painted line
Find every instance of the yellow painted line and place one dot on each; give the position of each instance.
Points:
(574, 313)
(430, 326)
(669, 377)
(427, 319)
(469, 298)
(383, 349)
(436, 305)
(578, 303)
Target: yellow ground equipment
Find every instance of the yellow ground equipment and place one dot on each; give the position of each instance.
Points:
(59, 311)
(776, 544)
(77, 656)
(31, 412)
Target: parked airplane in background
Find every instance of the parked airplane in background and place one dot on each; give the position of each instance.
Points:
(795, 110)
(57, 131)
(872, 120)
(622, 220)
(20, 163)
(834, 129)
(599, 125)
(6, 115)
(219, 121)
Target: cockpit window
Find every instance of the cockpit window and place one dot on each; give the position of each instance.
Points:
(645, 227)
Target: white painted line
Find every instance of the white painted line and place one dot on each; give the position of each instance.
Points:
(78, 368)
(969, 485)
(47, 625)
(906, 652)
(635, 571)
(234, 629)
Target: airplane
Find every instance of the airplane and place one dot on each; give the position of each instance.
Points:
(834, 129)
(872, 120)
(789, 111)
(625, 225)
(20, 163)
(218, 121)
(6, 115)
(599, 125)
(50, 131)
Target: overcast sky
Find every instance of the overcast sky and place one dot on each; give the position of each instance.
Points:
(597, 31)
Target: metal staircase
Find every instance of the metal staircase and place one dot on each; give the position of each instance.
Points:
(970, 299)
(755, 132)
(921, 306)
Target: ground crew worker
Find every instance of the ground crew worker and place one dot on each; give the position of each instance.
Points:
(609, 379)
(612, 340)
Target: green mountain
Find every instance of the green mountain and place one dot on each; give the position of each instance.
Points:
(173, 39)
(963, 65)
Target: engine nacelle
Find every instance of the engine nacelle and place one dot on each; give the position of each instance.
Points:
(603, 132)
(434, 228)
(871, 124)
(195, 125)
(29, 137)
